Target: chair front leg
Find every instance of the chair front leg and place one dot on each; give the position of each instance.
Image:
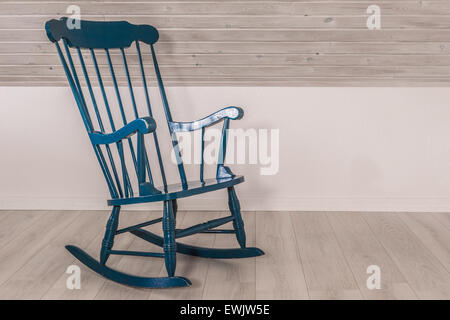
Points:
(175, 208)
(238, 223)
(169, 246)
(108, 239)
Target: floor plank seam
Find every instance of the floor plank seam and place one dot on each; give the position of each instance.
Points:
(344, 255)
(207, 268)
(299, 254)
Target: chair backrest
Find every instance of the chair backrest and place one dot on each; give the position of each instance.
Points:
(95, 38)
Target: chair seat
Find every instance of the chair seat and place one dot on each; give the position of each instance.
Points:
(176, 191)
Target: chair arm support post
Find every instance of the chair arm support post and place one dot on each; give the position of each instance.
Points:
(223, 171)
(142, 125)
(141, 158)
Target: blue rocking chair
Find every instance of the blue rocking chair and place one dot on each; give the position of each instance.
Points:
(108, 147)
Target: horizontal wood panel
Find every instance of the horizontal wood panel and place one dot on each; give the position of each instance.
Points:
(203, 42)
(399, 7)
(249, 22)
(261, 48)
(197, 60)
(250, 35)
(246, 71)
(328, 81)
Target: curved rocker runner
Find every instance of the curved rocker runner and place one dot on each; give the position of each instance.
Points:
(108, 41)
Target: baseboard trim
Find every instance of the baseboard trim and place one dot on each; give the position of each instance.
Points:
(249, 204)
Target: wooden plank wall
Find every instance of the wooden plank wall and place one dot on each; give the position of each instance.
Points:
(251, 43)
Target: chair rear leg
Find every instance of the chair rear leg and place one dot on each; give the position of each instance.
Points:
(169, 246)
(108, 239)
(238, 223)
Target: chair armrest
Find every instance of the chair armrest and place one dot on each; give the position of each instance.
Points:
(142, 125)
(233, 113)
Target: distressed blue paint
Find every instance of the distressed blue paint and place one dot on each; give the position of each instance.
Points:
(92, 34)
(108, 36)
(219, 231)
(149, 108)
(124, 278)
(223, 172)
(119, 144)
(202, 227)
(238, 223)
(142, 125)
(162, 91)
(233, 113)
(188, 249)
(108, 239)
(176, 191)
(169, 244)
(139, 225)
(137, 253)
(202, 163)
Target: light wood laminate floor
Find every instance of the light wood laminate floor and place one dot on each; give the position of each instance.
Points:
(309, 255)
